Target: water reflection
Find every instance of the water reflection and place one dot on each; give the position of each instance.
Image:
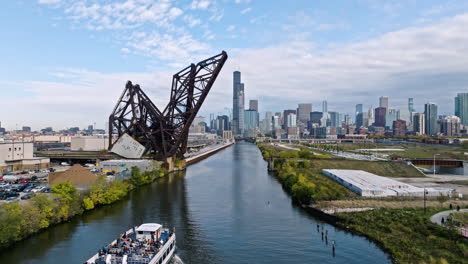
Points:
(225, 209)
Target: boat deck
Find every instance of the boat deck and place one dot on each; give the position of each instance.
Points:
(127, 249)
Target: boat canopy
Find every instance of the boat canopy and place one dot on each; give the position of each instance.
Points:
(150, 227)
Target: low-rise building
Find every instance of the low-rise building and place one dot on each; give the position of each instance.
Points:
(89, 143)
(15, 156)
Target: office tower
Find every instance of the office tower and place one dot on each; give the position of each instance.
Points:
(399, 128)
(303, 112)
(251, 123)
(450, 126)
(238, 104)
(285, 119)
(268, 122)
(222, 124)
(403, 114)
(26, 129)
(324, 106)
(383, 102)
(461, 107)
(370, 116)
(276, 122)
(410, 105)
(334, 119)
(419, 124)
(291, 120)
(315, 117)
(430, 113)
(390, 117)
(253, 105)
(380, 114)
(358, 109)
(347, 120)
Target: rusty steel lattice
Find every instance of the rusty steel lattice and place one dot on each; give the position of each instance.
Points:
(164, 134)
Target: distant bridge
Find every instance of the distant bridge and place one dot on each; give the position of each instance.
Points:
(438, 162)
(76, 156)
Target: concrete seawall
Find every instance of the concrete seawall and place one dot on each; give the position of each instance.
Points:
(204, 155)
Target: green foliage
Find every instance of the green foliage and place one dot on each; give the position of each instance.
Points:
(102, 192)
(18, 221)
(408, 235)
(141, 178)
(305, 186)
(68, 199)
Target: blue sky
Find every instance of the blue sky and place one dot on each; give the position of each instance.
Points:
(65, 62)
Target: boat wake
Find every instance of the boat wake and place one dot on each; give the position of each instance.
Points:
(176, 260)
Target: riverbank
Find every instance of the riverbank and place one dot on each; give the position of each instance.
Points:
(20, 221)
(43, 211)
(405, 233)
(205, 154)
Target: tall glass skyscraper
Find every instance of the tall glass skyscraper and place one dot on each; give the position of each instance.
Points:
(237, 105)
(430, 113)
(461, 107)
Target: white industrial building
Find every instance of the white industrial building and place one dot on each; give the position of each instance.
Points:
(15, 156)
(370, 185)
(89, 143)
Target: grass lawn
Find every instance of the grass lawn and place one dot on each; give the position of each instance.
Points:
(408, 235)
(382, 168)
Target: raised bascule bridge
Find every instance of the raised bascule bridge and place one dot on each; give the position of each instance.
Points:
(138, 127)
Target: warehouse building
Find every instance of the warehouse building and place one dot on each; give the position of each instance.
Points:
(370, 185)
(89, 143)
(16, 156)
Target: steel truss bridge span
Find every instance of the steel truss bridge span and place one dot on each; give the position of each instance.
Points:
(164, 133)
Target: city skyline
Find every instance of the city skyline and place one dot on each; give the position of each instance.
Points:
(341, 59)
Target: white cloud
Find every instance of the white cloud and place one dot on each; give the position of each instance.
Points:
(200, 4)
(241, 1)
(48, 2)
(192, 21)
(230, 28)
(245, 11)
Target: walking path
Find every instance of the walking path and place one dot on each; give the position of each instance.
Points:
(437, 218)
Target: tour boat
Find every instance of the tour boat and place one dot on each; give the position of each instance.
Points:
(148, 243)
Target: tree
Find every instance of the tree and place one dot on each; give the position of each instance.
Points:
(69, 199)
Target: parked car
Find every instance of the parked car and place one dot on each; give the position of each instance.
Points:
(110, 173)
(27, 196)
(94, 170)
(4, 195)
(28, 189)
(65, 164)
(51, 169)
(46, 190)
(11, 198)
(37, 171)
(37, 189)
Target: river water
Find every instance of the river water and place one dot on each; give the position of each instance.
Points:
(225, 209)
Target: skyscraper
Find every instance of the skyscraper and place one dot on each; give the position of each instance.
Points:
(450, 126)
(291, 120)
(461, 108)
(315, 117)
(335, 119)
(303, 112)
(410, 105)
(380, 114)
(253, 105)
(390, 117)
(430, 113)
(268, 122)
(358, 109)
(285, 117)
(419, 124)
(383, 102)
(251, 123)
(325, 107)
(238, 105)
